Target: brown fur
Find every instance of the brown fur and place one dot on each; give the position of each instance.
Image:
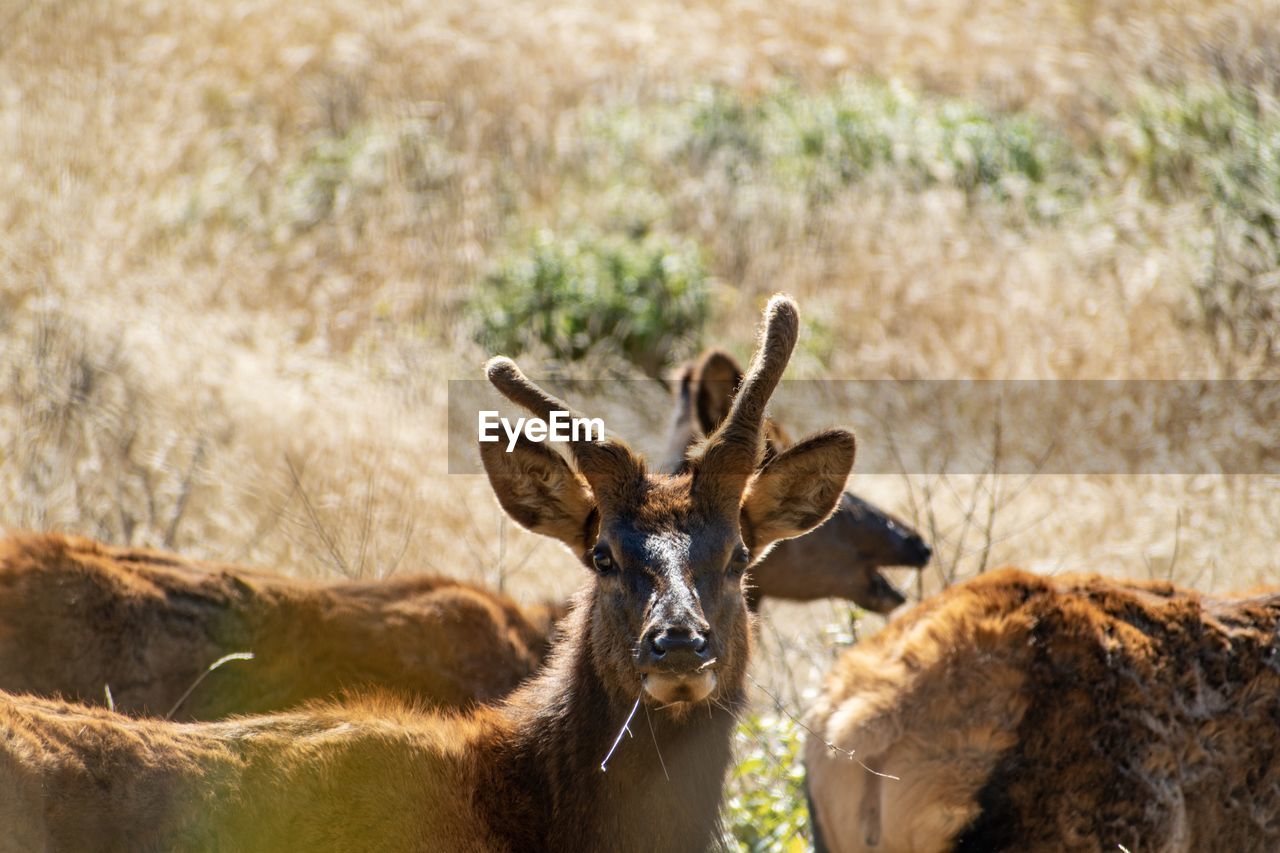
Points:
(369, 776)
(842, 557)
(77, 616)
(1074, 713)
(525, 775)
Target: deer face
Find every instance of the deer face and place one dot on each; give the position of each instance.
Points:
(843, 557)
(668, 618)
(669, 613)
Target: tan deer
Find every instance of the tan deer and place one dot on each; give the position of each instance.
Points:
(80, 618)
(657, 644)
(843, 556)
(1018, 712)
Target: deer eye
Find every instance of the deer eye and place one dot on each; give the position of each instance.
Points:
(739, 560)
(602, 558)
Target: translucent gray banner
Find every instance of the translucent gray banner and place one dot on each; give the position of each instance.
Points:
(954, 426)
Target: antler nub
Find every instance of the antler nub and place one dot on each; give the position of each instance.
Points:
(606, 464)
(508, 378)
(736, 448)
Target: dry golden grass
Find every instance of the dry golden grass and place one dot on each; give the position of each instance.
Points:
(209, 343)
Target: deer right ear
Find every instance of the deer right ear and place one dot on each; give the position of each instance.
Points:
(798, 489)
(537, 488)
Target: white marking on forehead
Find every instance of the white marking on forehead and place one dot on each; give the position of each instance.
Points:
(670, 553)
(668, 549)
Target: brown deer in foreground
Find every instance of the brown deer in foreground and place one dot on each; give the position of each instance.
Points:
(1020, 712)
(657, 643)
(78, 618)
(841, 558)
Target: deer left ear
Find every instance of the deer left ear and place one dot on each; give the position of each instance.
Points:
(715, 381)
(798, 489)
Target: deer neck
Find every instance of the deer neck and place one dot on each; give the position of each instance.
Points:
(660, 784)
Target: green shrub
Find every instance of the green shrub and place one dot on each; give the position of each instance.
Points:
(1205, 139)
(640, 296)
(724, 127)
(334, 179)
(832, 138)
(334, 175)
(1220, 144)
(765, 808)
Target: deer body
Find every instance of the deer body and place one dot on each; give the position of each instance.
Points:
(76, 778)
(77, 617)
(1073, 713)
(660, 631)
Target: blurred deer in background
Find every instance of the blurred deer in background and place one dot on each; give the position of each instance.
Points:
(78, 618)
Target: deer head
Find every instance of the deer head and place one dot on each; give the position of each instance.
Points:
(667, 554)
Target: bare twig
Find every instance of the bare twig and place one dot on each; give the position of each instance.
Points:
(266, 524)
(366, 525)
(654, 736)
(848, 753)
(409, 526)
(478, 557)
(184, 493)
(313, 518)
(502, 554)
(1177, 545)
(993, 495)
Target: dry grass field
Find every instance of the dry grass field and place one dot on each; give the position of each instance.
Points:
(243, 245)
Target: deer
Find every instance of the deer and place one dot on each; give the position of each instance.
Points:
(1080, 712)
(431, 638)
(843, 556)
(659, 630)
(83, 621)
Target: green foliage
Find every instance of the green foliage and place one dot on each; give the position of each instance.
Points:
(333, 178)
(643, 297)
(765, 807)
(1222, 145)
(335, 174)
(1207, 139)
(828, 139)
(1212, 141)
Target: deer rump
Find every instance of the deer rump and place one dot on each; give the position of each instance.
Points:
(1073, 713)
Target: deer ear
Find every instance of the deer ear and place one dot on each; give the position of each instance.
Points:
(683, 432)
(798, 489)
(537, 488)
(717, 378)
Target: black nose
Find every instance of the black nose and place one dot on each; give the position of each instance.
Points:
(678, 639)
(920, 550)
